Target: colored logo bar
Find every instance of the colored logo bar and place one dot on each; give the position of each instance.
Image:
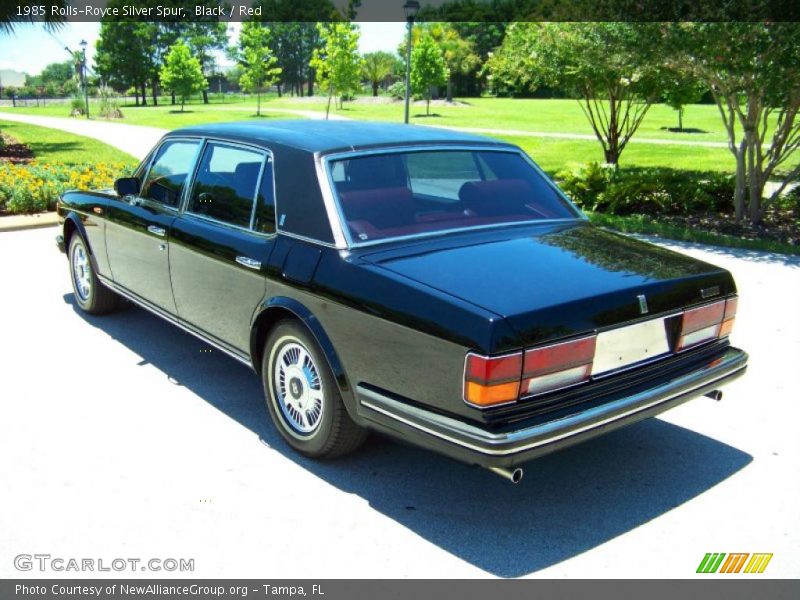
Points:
(719, 562)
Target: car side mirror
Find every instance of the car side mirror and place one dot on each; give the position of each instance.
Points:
(127, 186)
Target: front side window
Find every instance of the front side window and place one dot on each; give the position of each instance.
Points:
(169, 171)
(383, 196)
(225, 186)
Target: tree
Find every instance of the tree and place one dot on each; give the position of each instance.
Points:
(337, 62)
(428, 68)
(182, 72)
(202, 37)
(124, 56)
(753, 71)
(377, 67)
(459, 53)
(258, 63)
(681, 89)
(295, 36)
(609, 67)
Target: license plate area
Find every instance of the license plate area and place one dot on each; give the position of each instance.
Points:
(625, 347)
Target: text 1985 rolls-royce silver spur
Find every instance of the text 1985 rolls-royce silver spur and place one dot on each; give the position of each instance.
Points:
(430, 285)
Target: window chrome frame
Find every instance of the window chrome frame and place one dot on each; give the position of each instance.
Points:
(266, 155)
(338, 221)
(151, 159)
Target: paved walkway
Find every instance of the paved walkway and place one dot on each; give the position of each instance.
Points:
(136, 140)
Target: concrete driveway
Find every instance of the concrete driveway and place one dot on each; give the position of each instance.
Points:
(122, 436)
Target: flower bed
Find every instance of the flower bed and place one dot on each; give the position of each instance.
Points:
(35, 187)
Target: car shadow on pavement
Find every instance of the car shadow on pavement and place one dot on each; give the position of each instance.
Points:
(569, 502)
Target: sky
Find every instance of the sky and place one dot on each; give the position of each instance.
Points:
(30, 48)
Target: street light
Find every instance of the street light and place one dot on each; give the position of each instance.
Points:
(83, 45)
(79, 56)
(411, 8)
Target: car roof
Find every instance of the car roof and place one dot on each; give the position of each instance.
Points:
(323, 137)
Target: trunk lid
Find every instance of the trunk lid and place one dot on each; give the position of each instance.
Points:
(551, 281)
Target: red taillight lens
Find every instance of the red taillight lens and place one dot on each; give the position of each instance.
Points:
(504, 379)
(706, 323)
(557, 365)
(492, 381)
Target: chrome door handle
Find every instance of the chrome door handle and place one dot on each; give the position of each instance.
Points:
(248, 262)
(156, 230)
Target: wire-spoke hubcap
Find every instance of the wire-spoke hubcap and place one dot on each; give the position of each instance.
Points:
(298, 388)
(81, 273)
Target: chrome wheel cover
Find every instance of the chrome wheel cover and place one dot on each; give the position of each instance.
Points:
(298, 388)
(81, 272)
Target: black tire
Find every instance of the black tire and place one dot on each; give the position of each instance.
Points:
(90, 294)
(334, 433)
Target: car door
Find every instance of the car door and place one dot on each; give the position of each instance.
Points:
(221, 242)
(137, 227)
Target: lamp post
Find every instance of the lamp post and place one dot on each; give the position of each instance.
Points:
(83, 45)
(411, 7)
(79, 56)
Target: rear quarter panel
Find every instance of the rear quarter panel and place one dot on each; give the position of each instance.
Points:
(390, 332)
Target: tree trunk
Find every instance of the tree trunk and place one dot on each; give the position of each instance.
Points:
(311, 76)
(427, 107)
(680, 119)
(155, 93)
(739, 190)
(375, 88)
(612, 155)
(755, 182)
(182, 101)
(328, 107)
(144, 94)
(258, 103)
(205, 96)
(172, 97)
(449, 89)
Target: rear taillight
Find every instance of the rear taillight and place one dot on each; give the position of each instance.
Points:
(557, 366)
(494, 381)
(705, 323)
(730, 316)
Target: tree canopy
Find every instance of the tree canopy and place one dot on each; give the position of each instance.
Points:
(182, 72)
(609, 67)
(337, 62)
(428, 68)
(259, 64)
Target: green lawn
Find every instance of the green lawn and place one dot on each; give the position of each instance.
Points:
(51, 145)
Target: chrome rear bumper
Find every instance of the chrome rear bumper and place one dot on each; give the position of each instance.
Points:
(475, 444)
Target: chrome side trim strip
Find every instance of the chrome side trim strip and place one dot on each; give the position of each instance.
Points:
(500, 444)
(185, 327)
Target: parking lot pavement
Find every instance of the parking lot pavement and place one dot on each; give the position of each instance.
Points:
(122, 436)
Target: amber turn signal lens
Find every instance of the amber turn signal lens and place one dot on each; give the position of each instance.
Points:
(489, 395)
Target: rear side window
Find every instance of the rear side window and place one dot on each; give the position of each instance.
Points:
(225, 184)
(168, 173)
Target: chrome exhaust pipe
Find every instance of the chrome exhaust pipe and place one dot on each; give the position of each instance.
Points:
(715, 395)
(513, 475)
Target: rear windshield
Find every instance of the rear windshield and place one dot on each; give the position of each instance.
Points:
(384, 196)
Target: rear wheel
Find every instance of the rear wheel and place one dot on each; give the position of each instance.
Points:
(302, 396)
(91, 295)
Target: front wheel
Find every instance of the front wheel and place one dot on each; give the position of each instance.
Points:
(302, 396)
(90, 293)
